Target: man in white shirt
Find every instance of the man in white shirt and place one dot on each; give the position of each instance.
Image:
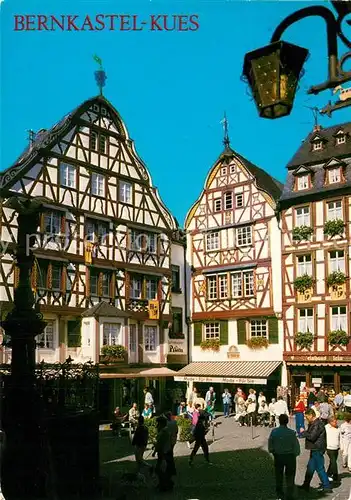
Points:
(333, 445)
(316, 409)
(347, 402)
(280, 408)
(149, 400)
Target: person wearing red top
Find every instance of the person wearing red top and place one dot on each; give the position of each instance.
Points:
(299, 411)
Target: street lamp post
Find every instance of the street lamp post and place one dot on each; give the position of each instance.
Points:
(23, 471)
(273, 71)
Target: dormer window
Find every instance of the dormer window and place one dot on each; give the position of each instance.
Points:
(341, 139)
(224, 171)
(334, 175)
(317, 146)
(303, 182)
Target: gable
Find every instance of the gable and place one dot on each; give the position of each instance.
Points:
(302, 170)
(334, 162)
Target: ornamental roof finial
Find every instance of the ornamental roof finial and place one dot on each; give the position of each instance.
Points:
(225, 123)
(100, 75)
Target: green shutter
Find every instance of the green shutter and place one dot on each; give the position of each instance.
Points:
(241, 331)
(197, 333)
(74, 338)
(223, 338)
(273, 333)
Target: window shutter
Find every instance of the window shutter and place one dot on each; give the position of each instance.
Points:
(63, 225)
(223, 338)
(15, 276)
(87, 282)
(42, 222)
(241, 323)
(113, 285)
(273, 333)
(49, 277)
(63, 278)
(197, 333)
(33, 277)
(100, 287)
(74, 333)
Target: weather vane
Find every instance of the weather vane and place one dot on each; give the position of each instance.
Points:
(315, 112)
(225, 128)
(100, 75)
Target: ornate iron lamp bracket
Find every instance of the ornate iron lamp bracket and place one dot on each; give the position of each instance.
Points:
(336, 75)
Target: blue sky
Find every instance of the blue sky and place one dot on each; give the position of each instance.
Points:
(171, 88)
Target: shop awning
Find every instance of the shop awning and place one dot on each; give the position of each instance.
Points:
(319, 363)
(234, 372)
(157, 372)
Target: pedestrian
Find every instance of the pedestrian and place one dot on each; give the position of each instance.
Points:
(347, 402)
(271, 413)
(194, 419)
(316, 408)
(118, 419)
(263, 413)
(299, 411)
(163, 450)
(284, 446)
(251, 411)
(172, 427)
(321, 395)
(345, 441)
(200, 440)
(316, 442)
(147, 412)
(133, 415)
(311, 398)
(326, 411)
(210, 411)
(140, 440)
(333, 446)
(149, 400)
(191, 398)
(261, 397)
(226, 398)
(199, 400)
(280, 408)
(339, 400)
(210, 400)
(241, 414)
(181, 410)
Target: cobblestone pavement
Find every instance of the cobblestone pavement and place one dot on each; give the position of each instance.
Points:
(242, 468)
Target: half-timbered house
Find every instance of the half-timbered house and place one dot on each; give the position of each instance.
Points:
(316, 231)
(234, 253)
(109, 257)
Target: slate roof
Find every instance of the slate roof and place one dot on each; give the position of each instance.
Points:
(315, 161)
(105, 309)
(264, 181)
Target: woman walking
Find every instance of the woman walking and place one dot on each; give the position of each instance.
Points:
(226, 398)
(200, 440)
(299, 411)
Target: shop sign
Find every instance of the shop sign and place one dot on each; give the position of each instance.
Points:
(316, 359)
(177, 346)
(154, 309)
(316, 380)
(224, 380)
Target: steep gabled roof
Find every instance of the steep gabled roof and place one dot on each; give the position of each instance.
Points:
(304, 155)
(264, 181)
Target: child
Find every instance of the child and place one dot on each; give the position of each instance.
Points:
(345, 431)
(147, 411)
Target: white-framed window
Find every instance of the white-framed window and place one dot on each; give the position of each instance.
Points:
(239, 200)
(244, 236)
(237, 285)
(302, 182)
(212, 240)
(336, 261)
(150, 338)
(151, 289)
(217, 204)
(306, 320)
(304, 265)
(334, 175)
(249, 288)
(317, 145)
(102, 143)
(224, 171)
(223, 286)
(212, 331)
(125, 192)
(68, 175)
(93, 140)
(302, 216)
(228, 200)
(96, 231)
(232, 169)
(258, 328)
(151, 242)
(56, 277)
(46, 339)
(341, 139)
(212, 287)
(98, 184)
(111, 334)
(338, 318)
(52, 223)
(136, 286)
(334, 210)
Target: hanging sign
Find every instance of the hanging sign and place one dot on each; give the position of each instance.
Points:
(154, 309)
(88, 253)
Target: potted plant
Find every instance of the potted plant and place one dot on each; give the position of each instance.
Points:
(336, 278)
(257, 342)
(302, 232)
(334, 227)
(338, 337)
(184, 428)
(303, 283)
(113, 353)
(304, 339)
(210, 344)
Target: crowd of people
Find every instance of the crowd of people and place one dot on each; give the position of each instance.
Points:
(322, 432)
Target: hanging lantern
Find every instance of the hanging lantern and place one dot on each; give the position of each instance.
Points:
(273, 73)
